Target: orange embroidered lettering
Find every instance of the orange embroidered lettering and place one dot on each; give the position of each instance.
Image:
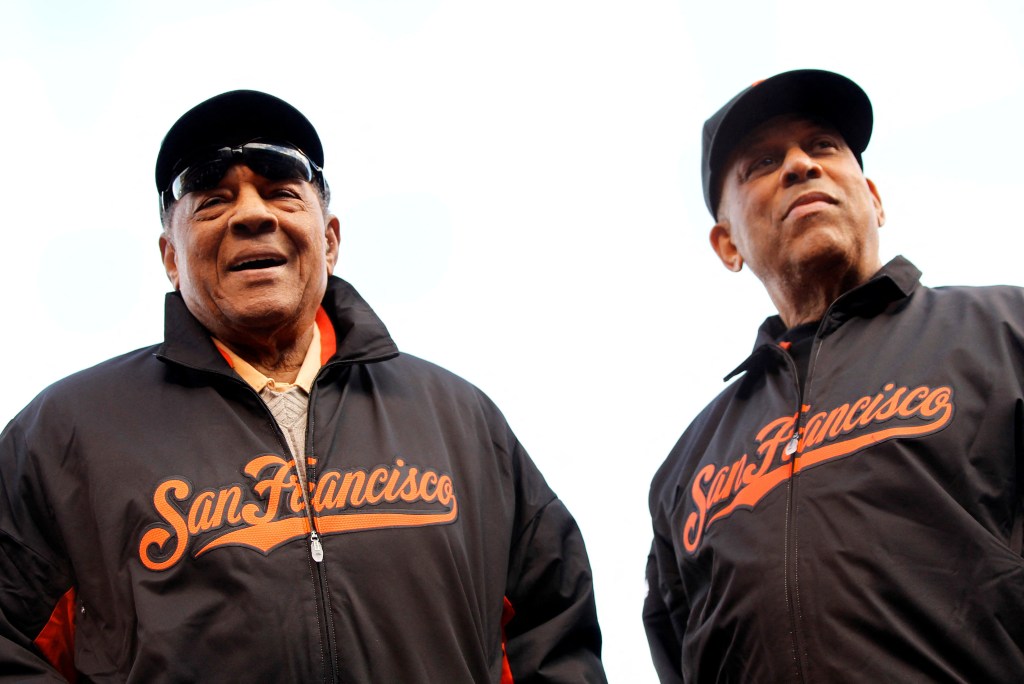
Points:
(357, 495)
(278, 514)
(229, 502)
(200, 513)
(391, 491)
(827, 435)
(694, 530)
(379, 476)
(157, 538)
(432, 494)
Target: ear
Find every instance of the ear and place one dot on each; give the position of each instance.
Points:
(877, 200)
(332, 236)
(725, 248)
(170, 260)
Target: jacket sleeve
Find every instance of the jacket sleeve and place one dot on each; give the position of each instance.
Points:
(553, 634)
(664, 635)
(36, 598)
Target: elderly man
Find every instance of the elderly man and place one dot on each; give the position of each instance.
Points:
(275, 493)
(850, 508)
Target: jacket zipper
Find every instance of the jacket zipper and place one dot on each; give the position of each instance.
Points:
(790, 583)
(315, 547)
(790, 561)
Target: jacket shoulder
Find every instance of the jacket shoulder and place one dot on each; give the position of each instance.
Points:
(111, 370)
(969, 303)
(94, 386)
(677, 469)
(439, 388)
(413, 370)
(983, 294)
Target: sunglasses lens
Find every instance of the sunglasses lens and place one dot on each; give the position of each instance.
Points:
(276, 163)
(199, 177)
(270, 161)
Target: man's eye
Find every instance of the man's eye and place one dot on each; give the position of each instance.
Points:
(209, 202)
(825, 144)
(760, 164)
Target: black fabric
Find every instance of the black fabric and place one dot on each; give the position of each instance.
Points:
(798, 342)
(866, 528)
(158, 486)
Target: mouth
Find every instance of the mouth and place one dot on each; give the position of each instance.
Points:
(810, 198)
(256, 263)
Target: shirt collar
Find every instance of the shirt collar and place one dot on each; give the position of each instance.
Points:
(307, 372)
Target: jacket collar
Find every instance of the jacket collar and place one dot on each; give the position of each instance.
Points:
(361, 336)
(895, 281)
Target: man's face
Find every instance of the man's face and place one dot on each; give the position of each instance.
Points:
(796, 203)
(251, 256)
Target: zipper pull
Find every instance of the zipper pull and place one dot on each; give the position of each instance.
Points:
(793, 443)
(316, 547)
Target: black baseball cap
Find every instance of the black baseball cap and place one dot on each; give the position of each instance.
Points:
(822, 94)
(231, 119)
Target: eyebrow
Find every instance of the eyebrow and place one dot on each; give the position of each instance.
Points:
(754, 139)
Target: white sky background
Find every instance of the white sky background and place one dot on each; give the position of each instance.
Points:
(519, 191)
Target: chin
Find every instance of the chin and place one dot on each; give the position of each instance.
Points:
(255, 315)
(839, 273)
(825, 246)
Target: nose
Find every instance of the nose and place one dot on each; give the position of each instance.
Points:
(251, 214)
(799, 167)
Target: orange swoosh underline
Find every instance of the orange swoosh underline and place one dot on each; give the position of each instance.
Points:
(266, 536)
(750, 495)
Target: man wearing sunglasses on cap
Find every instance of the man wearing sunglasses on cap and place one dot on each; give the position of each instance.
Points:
(850, 508)
(275, 493)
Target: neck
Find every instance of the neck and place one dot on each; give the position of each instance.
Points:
(807, 308)
(805, 296)
(277, 358)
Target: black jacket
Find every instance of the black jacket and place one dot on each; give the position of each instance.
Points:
(868, 530)
(155, 495)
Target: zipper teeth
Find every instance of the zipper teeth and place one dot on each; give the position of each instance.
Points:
(790, 545)
(798, 642)
(331, 656)
(315, 567)
(317, 572)
(790, 587)
(792, 553)
(801, 653)
(789, 595)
